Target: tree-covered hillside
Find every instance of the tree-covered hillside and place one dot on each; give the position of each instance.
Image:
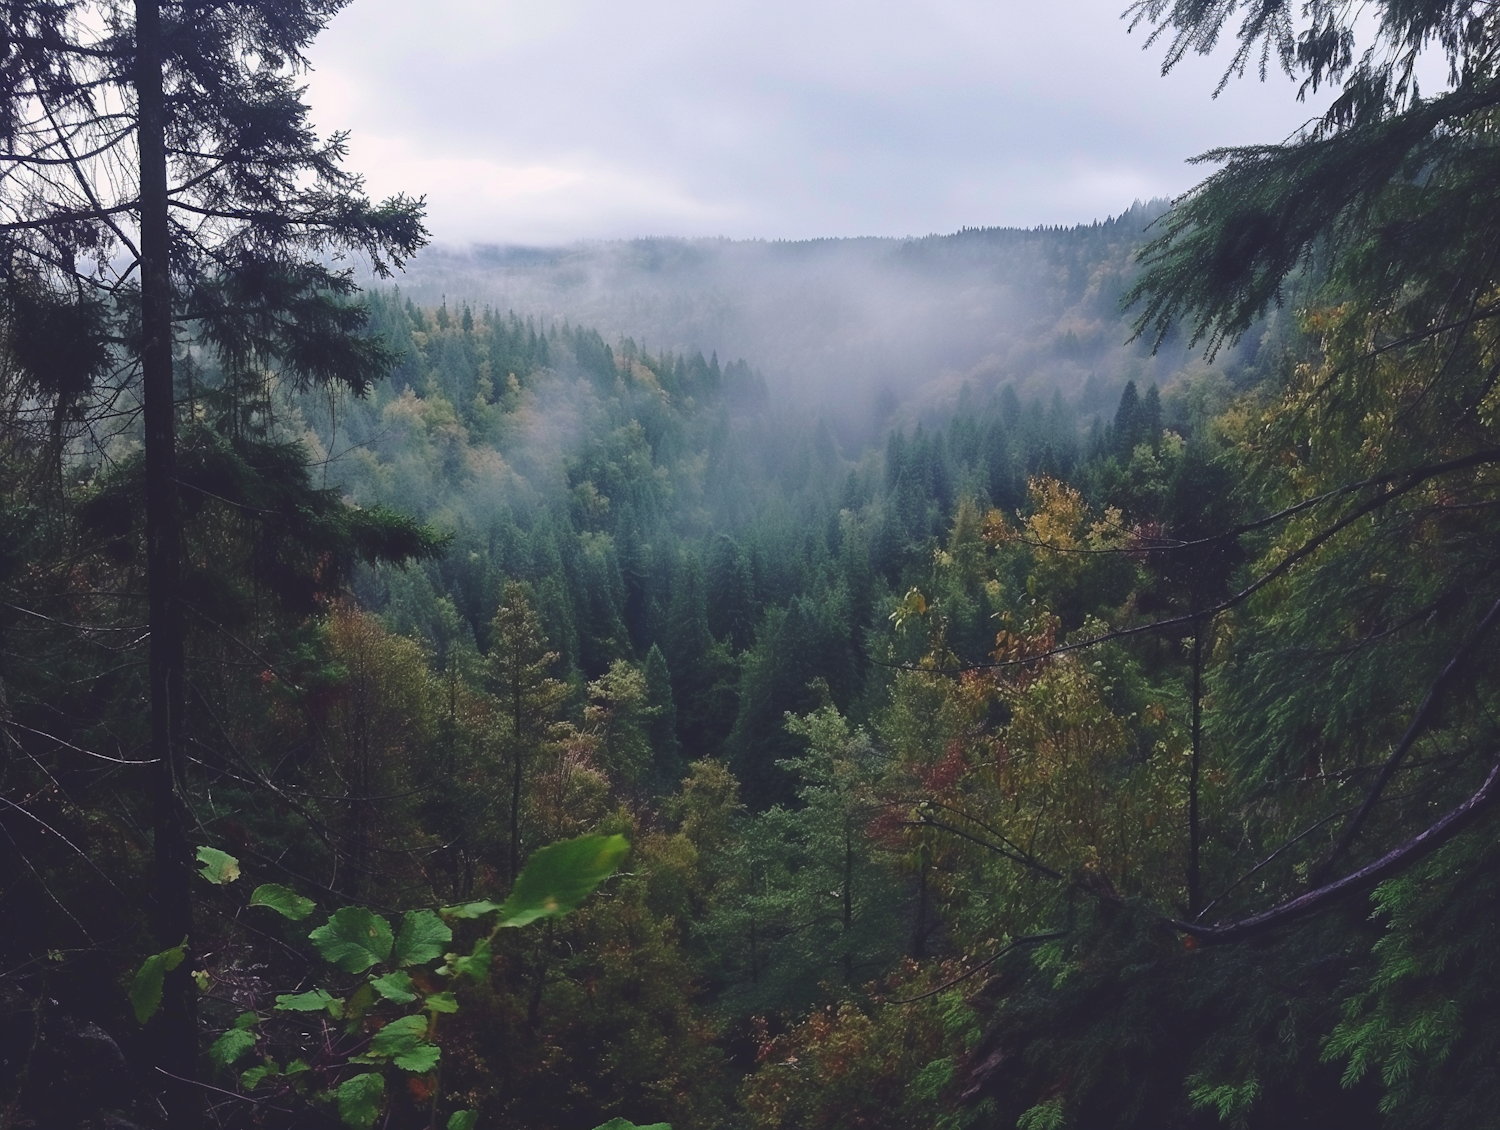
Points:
(854, 329)
(413, 714)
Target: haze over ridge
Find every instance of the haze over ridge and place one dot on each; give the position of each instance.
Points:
(851, 326)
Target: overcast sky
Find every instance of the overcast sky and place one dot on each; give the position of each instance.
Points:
(547, 121)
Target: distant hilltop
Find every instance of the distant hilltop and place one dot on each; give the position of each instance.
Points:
(844, 323)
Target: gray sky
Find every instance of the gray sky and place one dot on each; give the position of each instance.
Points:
(545, 121)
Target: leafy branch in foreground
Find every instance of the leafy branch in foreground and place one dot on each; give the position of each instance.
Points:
(385, 1019)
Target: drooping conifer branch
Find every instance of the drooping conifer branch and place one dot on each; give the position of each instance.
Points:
(1388, 865)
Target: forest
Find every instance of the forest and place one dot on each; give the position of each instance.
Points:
(851, 329)
(423, 714)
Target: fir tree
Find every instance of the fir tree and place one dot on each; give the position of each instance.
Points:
(661, 725)
(160, 166)
(530, 699)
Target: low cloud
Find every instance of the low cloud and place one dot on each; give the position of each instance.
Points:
(533, 122)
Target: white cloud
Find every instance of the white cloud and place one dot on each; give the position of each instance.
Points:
(545, 120)
(572, 197)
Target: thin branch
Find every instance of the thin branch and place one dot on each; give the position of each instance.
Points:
(1298, 838)
(1050, 936)
(1392, 862)
(77, 749)
(1413, 731)
(1014, 857)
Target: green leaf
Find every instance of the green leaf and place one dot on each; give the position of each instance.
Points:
(360, 1002)
(463, 1120)
(250, 1079)
(219, 867)
(145, 990)
(396, 987)
(422, 938)
(476, 965)
(284, 901)
(560, 876)
(353, 939)
(298, 1066)
(246, 1020)
(419, 1060)
(399, 1036)
(231, 1046)
(359, 1100)
(470, 910)
(622, 1124)
(314, 1000)
(441, 1002)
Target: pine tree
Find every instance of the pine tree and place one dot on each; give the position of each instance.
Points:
(530, 699)
(161, 170)
(1128, 425)
(1151, 417)
(661, 726)
(730, 595)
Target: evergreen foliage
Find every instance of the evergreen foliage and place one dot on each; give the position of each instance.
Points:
(1124, 759)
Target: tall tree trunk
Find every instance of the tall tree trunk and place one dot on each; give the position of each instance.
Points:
(1194, 769)
(848, 901)
(176, 1023)
(919, 930)
(515, 790)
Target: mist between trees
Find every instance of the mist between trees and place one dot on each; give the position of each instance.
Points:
(853, 329)
(659, 603)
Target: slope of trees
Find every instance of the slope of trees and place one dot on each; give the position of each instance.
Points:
(1118, 761)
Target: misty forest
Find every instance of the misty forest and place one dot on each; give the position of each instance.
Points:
(1037, 679)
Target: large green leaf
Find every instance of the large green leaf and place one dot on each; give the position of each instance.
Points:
(314, 1000)
(463, 1120)
(251, 1079)
(399, 1035)
(560, 876)
(218, 867)
(353, 939)
(471, 910)
(418, 1060)
(622, 1124)
(231, 1046)
(441, 1002)
(404, 1042)
(285, 902)
(145, 990)
(475, 965)
(396, 987)
(422, 938)
(359, 1100)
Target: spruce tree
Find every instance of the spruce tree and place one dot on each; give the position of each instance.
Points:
(1128, 423)
(661, 725)
(731, 595)
(162, 179)
(530, 700)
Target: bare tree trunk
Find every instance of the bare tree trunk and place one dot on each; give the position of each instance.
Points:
(1194, 769)
(515, 790)
(848, 901)
(919, 930)
(175, 1027)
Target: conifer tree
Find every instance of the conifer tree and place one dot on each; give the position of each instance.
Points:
(162, 176)
(701, 672)
(661, 726)
(1127, 428)
(731, 595)
(530, 699)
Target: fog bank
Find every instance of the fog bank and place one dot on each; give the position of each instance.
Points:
(850, 327)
